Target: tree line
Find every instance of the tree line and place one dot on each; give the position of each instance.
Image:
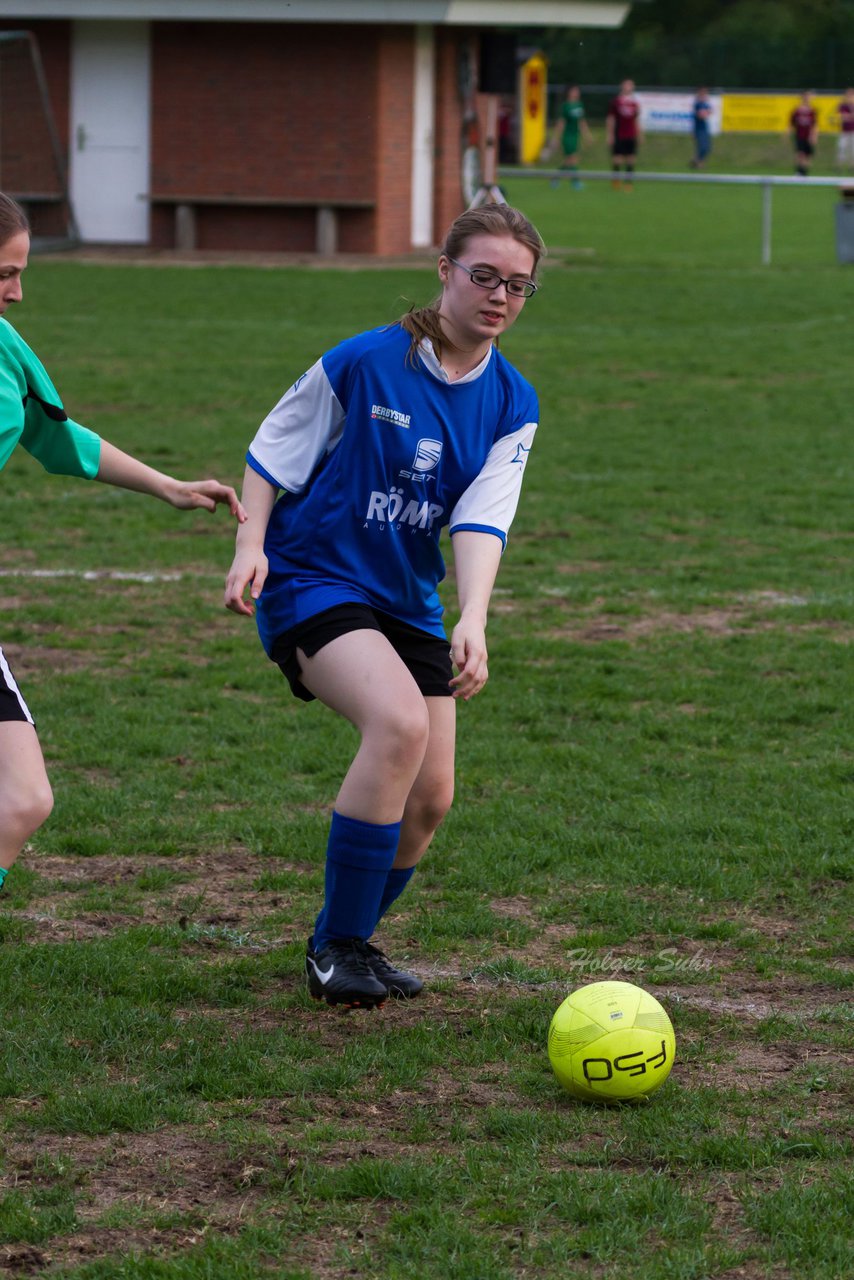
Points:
(727, 44)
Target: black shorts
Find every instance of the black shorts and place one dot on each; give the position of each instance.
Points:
(625, 147)
(804, 147)
(12, 705)
(426, 657)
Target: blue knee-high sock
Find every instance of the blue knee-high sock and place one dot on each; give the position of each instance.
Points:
(359, 856)
(396, 881)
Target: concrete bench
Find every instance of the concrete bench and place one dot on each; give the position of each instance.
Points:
(38, 197)
(326, 219)
(53, 238)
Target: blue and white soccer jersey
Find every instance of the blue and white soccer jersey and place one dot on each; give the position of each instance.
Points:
(376, 455)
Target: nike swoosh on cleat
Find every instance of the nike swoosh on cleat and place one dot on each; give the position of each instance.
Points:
(324, 977)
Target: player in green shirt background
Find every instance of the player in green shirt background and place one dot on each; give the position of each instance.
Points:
(571, 127)
(32, 416)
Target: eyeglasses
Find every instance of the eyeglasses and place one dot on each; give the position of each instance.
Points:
(491, 280)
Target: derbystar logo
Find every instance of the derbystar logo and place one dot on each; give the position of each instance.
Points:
(394, 416)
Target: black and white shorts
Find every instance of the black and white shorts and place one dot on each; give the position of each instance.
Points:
(12, 705)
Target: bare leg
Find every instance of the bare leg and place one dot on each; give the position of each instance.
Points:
(432, 792)
(360, 676)
(25, 795)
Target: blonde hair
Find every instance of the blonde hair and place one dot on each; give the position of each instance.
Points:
(13, 220)
(491, 220)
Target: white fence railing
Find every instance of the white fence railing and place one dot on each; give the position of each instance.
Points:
(766, 182)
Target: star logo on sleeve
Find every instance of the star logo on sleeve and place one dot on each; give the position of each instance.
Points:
(521, 455)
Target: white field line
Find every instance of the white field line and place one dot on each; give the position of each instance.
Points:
(97, 575)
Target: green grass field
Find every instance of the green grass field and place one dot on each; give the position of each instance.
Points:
(694, 224)
(764, 153)
(656, 785)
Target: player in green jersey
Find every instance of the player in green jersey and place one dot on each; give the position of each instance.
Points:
(571, 127)
(32, 416)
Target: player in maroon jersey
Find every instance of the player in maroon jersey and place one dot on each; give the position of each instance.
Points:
(623, 131)
(845, 145)
(803, 123)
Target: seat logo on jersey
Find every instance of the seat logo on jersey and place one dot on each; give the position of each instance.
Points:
(394, 416)
(389, 508)
(427, 455)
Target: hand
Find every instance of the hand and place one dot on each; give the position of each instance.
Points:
(468, 651)
(189, 494)
(249, 566)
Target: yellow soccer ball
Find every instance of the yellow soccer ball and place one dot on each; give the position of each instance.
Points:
(611, 1042)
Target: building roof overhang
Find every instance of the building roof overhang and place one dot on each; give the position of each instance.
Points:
(468, 13)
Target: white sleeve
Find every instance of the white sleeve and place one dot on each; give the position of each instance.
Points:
(489, 503)
(307, 421)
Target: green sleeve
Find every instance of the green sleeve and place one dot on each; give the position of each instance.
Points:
(31, 414)
(63, 448)
(12, 392)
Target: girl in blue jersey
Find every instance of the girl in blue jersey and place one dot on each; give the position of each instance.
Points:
(389, 438)
(31, 414)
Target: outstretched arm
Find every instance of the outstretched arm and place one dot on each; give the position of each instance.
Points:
(250, 562)
(476, 560)
(126, 472)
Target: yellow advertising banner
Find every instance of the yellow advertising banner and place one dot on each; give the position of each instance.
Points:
(533, 79)
(770, 112)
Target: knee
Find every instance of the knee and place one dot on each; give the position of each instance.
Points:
(430, 807)
(401, 732)
(25, 812)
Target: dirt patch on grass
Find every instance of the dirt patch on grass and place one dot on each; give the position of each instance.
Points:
(712, 622)
(740, 617)
(173, 1173)
(211, 890)
(177, 1169)
(515, 908)
(751, 1001)
(94, 1245)
(101, 1243)
(28, 660)
(176, 1172)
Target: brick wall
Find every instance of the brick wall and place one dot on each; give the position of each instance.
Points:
(395, 70)
(265, 110)
(284, 110)
(54, 42)
(448, 200)
(27, 156)
(302, 111)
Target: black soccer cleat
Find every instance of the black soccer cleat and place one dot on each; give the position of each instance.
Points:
(401, 985)
(342, 974)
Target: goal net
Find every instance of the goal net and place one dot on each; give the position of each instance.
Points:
(32, 164)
